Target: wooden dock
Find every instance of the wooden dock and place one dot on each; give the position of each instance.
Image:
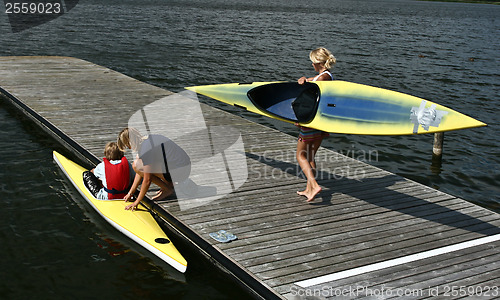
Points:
(369, 234)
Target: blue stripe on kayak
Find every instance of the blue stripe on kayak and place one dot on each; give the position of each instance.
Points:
(363, 110)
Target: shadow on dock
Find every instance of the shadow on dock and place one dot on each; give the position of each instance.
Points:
(377, 191)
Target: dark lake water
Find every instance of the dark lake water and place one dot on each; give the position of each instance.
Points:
(54, 246)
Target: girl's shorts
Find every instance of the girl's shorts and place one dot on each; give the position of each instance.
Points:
(308, 134)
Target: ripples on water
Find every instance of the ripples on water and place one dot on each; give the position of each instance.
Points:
(444, 52)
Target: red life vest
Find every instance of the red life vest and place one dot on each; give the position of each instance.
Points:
(117, 178)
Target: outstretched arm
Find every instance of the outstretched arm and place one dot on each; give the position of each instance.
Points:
(133, 188)
(146, 183)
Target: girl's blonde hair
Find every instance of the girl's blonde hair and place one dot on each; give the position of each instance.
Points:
(112, 152)
(324, 56)
(129, 138)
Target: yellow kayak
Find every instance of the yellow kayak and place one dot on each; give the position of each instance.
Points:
(139, 225)
(341, 107)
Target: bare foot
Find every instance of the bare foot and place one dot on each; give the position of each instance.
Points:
(303, 193)
(162, 194)
(310, 196)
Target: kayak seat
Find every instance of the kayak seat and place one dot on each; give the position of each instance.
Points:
(306, 104)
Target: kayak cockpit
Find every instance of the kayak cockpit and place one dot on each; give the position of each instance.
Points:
(287, 100)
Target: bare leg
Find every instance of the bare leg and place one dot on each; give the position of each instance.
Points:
(166, 188)
(305, 158)
(313, 148)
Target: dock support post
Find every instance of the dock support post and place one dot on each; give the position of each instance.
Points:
(437, 149)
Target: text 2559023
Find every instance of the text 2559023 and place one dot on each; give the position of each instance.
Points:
(33, 8)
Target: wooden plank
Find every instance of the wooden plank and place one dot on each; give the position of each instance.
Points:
(375, 235)
(262, 242)
(415, 276)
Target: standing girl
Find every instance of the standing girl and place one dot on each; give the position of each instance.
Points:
(310, 139)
